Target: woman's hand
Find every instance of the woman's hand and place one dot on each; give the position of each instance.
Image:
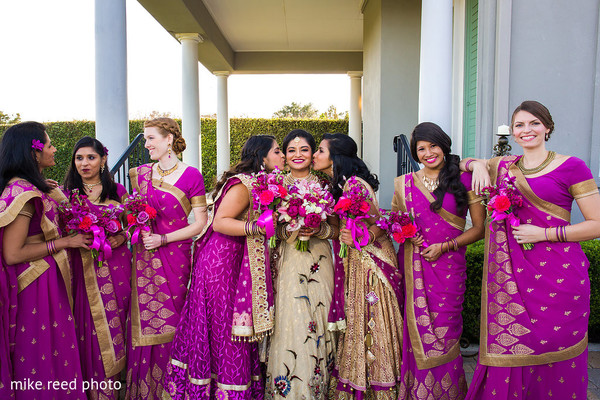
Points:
(307, 232)
(116, 241)
(151, 240)
(80, 240)
(417, 240)
(52, 183)
(433, 252)
(527, 233)
(346, 237)
(481, 176)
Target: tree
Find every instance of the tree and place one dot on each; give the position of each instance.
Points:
(297, 111)
(332, 113)
(8, 119)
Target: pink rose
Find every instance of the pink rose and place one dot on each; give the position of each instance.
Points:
(312, 220)
(293, 211)
(266, 197)
(113, 226)
(143, 217)
(501, 203)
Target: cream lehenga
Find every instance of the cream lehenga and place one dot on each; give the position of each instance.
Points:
(301, 349)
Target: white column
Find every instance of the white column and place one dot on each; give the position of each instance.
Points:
(190, 119)
(435, 74)
(223, 147)
(112, 119)
(355, 112)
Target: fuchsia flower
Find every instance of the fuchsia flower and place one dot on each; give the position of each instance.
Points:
(307, 203)
(37, 145)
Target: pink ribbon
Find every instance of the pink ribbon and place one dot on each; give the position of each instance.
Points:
(358, 230)
(101, 243)
(266, 221)
(136, 233)
(499, 216)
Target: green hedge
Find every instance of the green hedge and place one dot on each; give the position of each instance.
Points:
(64, 135)
(472, 304)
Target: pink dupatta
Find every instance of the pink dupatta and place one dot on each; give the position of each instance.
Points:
(534, 303)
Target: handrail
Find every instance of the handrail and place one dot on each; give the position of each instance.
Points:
(133, 156)
(405, 162)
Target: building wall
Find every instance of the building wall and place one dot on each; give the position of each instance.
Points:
(544, 51)
(390, 83)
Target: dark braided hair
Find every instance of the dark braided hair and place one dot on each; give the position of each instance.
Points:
(449, 176)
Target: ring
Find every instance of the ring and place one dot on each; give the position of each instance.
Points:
(517, 238)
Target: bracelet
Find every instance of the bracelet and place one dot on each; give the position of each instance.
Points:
(467, 164)
(163, 240)
(325, 232)
(546, 234)
(371, 237)
(282, 233)
(251, 228)
(565, 233)
(51, 247)
(455, 244)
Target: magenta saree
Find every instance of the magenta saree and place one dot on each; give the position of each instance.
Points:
(535, 303)
(431, 362)
(367, 365)
(37, 318)
(159, 279)
(207, 362)
(101, 304)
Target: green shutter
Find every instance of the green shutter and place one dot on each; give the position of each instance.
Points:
(470, 95)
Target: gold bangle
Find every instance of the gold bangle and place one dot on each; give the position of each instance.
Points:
(371, 237)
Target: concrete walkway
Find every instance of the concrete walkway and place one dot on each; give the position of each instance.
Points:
(470, 361)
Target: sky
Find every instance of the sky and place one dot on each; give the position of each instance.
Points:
(47, 68)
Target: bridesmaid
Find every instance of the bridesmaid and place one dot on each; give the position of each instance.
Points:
(536, 303)
(161, 268)
(101, 294)
(214, 354)
(37, 336)
(369, 351)
(438, 197)
(302, 349)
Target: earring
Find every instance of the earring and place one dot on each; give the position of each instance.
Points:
(102, 169)
(547, 136)
(169, 151)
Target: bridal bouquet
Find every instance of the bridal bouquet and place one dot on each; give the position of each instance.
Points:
(354, 207)
(400, 226)
(78, 217)
(139, 215)
(308, 203)
(501, 201)
(267, 191)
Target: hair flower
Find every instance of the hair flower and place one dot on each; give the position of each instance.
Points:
(37, 145)
(105, 151)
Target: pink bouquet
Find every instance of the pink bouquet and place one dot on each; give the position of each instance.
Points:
(307, 204)
(139, 215)
(400, 226)
(501, 201)
(268, 190)
(78, 217)
(354, 207)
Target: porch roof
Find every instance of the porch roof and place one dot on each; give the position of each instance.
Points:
(269, 36)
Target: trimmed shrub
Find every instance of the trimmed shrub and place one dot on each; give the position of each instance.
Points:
(64, 135)
(472, 305)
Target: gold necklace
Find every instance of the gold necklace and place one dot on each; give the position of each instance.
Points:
(90, 186)
(430, 184)
(530, 171)
(165, 172)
